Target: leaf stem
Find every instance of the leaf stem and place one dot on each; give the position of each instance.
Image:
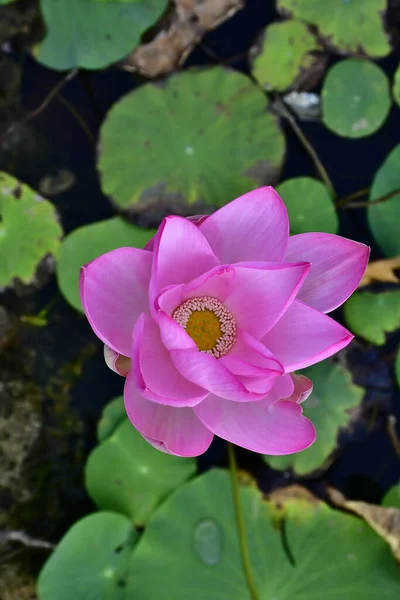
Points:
(244, 551)
(285, 112)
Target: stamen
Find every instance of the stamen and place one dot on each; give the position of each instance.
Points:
(209, 323)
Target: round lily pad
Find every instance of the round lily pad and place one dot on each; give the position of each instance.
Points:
(113, 415)
(397, 367)
(384, 218)
(396, 86)
(309, 205)
(355, 98)
(287, 52)
(392, 497)
(93, 35)
(371, 315)
(333, 396)
(29, 230)
(206, 137)
(87, 243)
(127, 475)
(350, 26)
(91, 561)
(190, 550)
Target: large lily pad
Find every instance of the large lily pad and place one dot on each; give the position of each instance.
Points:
(384, 218)
(288, 50)
(397, 368)
(127, 475)
(91, 561)
(93, 35)
(204, 138)
(355, 98)
(396, 86)
(191, 544)
(350, 26)
(392, 497)
(29, 230)
(113, 415)
(371, 315)
(309, 205)
(87, 243)
(328, 408)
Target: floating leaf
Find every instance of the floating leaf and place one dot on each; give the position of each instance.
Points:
(91, 560)
(381, 270)
(29, 230)
(127, 475)
(384, 218)
(384, 520)
(112, 416)
(287, 52)
(204, 138)
(350, 26)
(396, 86)
(309, 205)
(87, 243)
(371, 315)
(392, 498)
(191, 545)
(355, 98)
(183, 25)
(397, 369)
(333, 396)
(93, 35)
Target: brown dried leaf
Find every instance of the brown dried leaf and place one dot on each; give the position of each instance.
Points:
(384, 521)
(179, 31)
(381, 270)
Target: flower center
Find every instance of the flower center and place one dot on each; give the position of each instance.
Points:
(210, 325)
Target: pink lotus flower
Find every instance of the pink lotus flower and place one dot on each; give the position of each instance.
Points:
(209, 322)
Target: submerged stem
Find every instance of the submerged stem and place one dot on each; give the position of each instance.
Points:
(244, 551)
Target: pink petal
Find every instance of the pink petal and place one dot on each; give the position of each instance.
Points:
(337, 267)
(252, 227)
(175, 430)
(153, 371)
(303, 388)
(181, 253)
(274, 429)
(304, 336)
(197, 219)
(209, 373)
(117, 362)
(114, 292)
(254, 365)
(262, 292)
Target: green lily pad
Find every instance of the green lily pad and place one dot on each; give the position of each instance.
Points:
(392, 497)
(205, 137)
(333, 396)
(396, 86)
(190, 550)
(350, 26)
(371, 315)
(287, 51)
(309, 205)
(29, 230)
(127, 475)
(397, 367)
(87, 243)
(93, 35)
(384, 218)
(112, 416)
(355, 98)
(91, 561)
